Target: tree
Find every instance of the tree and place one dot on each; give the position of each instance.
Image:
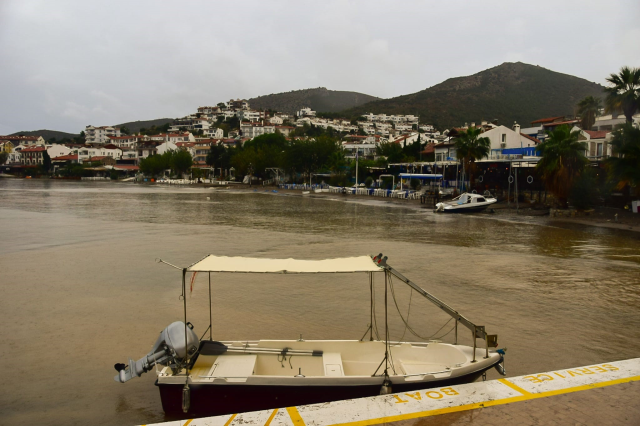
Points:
(124, 130)
(562, 161)
(625, 168)
(471, 147)
(391, 150)
(4, 156)
(46, 161)
(180, 161)
(624, 92)
(589, 108)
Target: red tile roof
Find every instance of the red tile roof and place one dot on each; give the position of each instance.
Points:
(599, 134)
(110, 146)
(534, 140)
(125, 167)
(34, 149)
(19, 138)
(547, 120)
(69, 157)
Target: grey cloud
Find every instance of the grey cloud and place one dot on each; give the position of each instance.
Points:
(67, 64)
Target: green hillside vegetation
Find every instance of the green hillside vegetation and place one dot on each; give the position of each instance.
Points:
(509, 92)
(135, 126)
(319, 99)
(48, 134)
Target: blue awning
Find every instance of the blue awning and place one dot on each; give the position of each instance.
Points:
(419, 176)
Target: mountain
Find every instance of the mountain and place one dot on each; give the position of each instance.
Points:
(320, 99)
(47, 134)
(509, 92)
(135, 126)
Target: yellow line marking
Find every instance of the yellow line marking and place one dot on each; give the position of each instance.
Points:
(295, 416)
(187, 422)
(271, 417)
(514, 386)
(487, 403)
(230, 419)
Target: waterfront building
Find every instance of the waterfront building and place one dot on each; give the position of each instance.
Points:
(598, 143)
(32, 156)
(87, 152)
(100, 134)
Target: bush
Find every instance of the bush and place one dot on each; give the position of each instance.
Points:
(114, 175)
(368, 182)
(584, 192)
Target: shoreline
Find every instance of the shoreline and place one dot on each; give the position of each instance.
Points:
(600, 217)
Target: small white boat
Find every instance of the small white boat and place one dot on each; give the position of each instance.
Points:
(207, 377)
(465, 203)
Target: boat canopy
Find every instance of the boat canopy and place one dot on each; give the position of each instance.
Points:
(213, 263)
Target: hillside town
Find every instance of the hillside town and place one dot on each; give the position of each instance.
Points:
(227, 142)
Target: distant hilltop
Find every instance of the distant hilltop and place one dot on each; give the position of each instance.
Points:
(509, 92)
(320, 99)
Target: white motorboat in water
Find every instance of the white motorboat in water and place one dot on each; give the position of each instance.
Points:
(207, 377)
(465, 203)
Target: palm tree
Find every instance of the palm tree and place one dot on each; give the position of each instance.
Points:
(470, 147)
(625, 168)
(624, 92)
(588, 108)
(562, 161)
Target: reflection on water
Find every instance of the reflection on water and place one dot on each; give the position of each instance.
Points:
(81, 291)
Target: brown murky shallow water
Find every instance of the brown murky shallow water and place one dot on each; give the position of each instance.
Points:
(81, 290)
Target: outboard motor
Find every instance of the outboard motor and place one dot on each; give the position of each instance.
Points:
(169, 350)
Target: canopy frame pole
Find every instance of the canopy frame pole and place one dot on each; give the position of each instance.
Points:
(184, 303)
(477, 331)
(371, 307)
(386, 326)
(210, 314)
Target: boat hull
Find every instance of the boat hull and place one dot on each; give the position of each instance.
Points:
(217, 399)
(467, 209)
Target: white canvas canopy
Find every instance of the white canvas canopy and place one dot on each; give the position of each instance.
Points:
(213, 263)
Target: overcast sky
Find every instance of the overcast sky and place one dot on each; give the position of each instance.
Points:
(67, 64)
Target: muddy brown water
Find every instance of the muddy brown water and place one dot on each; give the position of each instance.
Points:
(81, 290)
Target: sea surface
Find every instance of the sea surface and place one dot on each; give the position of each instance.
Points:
(81, 291)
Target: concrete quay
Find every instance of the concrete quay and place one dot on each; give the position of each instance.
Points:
(606, 393)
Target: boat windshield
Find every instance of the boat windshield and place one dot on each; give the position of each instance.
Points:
(463, 199)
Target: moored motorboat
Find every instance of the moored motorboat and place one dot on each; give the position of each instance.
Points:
(465, 203)
(207, 377)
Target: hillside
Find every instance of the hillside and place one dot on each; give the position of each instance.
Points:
(319, 99)
(135, 126)
(47, 134)
(509, 92)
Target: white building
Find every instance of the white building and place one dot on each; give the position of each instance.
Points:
(251, 130)
(166, 146)
(364, 150)
(100, 134)
(598, 143)
(127, 141)
(215, 133)
(86, 153)
(57, 150)
(306, 112)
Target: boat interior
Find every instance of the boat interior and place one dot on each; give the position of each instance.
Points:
(242, 360)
